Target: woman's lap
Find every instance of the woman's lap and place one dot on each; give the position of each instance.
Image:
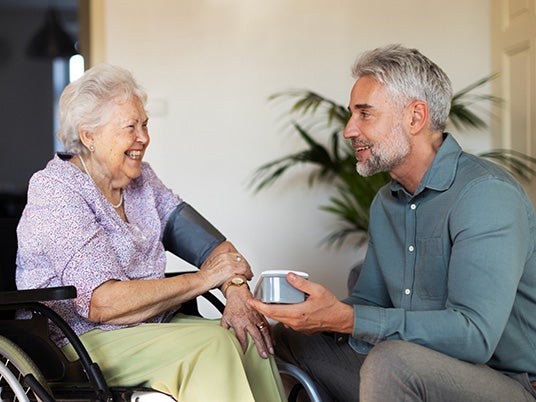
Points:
(190, 357)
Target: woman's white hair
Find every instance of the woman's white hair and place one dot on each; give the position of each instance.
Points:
(85, 103)
(409, 76)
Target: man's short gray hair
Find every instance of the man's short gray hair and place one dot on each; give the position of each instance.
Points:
(85, 103)
(409, 75)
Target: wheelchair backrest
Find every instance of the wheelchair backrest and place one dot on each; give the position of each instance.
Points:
(8, 253)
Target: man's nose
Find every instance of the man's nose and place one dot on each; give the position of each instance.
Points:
(350, 130)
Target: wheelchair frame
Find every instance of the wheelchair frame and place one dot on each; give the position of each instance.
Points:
(33, 368)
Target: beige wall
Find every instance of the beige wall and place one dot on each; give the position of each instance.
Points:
(209, 66)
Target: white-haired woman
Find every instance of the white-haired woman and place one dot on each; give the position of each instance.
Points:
(100, 219)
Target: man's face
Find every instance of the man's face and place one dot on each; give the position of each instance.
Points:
(375, 128)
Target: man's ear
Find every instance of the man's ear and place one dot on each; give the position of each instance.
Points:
(418, 116)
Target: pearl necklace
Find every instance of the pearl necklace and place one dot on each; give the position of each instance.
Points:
(118, 205)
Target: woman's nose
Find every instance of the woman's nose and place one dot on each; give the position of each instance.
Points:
(142, 135)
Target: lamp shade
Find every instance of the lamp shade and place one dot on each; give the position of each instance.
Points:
(51, 40)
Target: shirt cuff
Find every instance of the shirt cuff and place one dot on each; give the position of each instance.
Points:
(368, 323)
(360, 346)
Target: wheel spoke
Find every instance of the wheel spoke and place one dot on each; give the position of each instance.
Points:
(12, 373)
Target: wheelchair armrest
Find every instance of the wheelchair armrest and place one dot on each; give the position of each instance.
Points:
(37, 295)
(212, 299)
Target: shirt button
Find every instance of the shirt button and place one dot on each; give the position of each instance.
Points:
(411, 249)
(407, 291)
(413, 206)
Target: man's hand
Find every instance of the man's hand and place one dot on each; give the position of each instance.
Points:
(321, 311)
(244, 319)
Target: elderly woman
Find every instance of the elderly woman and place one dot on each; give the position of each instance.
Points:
(100, 219)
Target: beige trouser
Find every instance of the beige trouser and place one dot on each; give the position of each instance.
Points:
(191, 358)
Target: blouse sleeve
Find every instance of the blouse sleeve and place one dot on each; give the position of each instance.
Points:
(165, 199)
(61, 243)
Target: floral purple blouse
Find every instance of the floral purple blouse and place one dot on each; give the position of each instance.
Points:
(69, 234)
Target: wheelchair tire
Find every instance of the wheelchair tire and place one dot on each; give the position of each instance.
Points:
(19, 364)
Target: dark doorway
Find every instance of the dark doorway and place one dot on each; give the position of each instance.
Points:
(27, 94)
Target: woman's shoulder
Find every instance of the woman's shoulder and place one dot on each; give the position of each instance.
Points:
(148, 184)
(147, 177)
(58, 169)
(60, 182)
(147, 170)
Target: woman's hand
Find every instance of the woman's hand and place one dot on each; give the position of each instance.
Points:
(244, 319)
(223, 264)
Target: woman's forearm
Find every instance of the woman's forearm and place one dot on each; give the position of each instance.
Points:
(135, 301)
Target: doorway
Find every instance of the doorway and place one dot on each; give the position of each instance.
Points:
(27, 93)
(514, 57)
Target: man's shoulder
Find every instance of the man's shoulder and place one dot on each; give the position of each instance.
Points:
(473, 168)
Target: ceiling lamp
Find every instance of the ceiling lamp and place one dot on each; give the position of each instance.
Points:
(51, 40)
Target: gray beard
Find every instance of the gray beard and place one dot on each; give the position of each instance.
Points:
(385, 157)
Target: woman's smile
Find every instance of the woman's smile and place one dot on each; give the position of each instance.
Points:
(134, 154)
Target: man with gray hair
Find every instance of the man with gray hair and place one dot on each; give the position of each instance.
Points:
(444, 308)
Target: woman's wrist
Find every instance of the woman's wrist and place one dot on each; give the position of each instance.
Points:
(233, 284)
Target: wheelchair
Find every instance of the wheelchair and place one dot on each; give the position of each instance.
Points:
(33, 368)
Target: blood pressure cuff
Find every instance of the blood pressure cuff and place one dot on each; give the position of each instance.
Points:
(190, 236)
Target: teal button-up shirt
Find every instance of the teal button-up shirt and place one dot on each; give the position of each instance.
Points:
(453, 266)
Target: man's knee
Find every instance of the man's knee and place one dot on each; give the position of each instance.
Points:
(387, 358)
(397, 368)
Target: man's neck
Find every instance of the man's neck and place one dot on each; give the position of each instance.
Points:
(411, 170)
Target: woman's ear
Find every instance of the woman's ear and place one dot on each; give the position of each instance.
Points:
(86, 137)
(418, 116)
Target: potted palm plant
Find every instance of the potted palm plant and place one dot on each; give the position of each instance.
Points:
(332, 159)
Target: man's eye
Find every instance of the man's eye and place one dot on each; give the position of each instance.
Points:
(364, 114)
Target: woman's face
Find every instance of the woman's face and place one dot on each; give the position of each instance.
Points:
(120, 144)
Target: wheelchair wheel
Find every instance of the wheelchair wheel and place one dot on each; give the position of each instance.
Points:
(8, 379)
(15, 365)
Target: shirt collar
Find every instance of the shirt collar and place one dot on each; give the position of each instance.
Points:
(442, 171)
